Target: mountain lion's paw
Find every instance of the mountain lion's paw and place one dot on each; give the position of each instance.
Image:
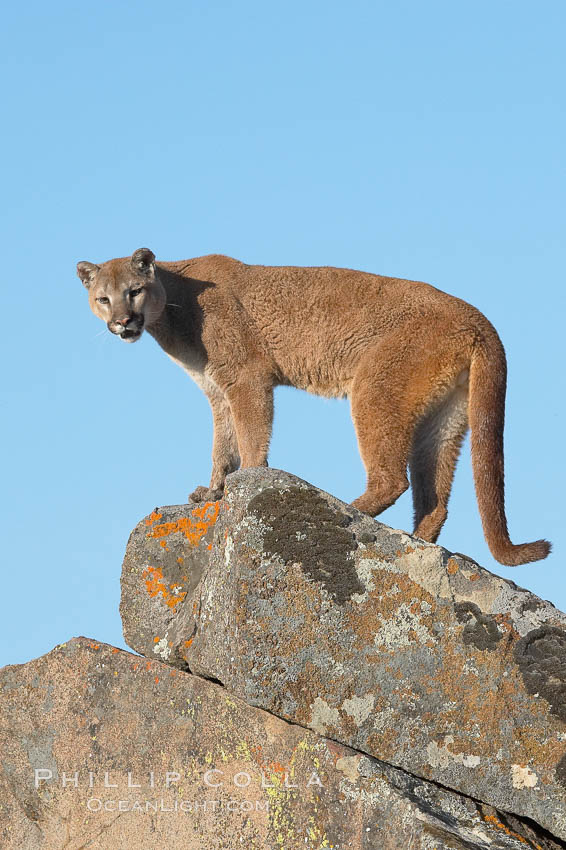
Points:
(205, 494)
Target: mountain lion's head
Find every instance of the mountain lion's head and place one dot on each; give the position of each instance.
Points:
(124, 293)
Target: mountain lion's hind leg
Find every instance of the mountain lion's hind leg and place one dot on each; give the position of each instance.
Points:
(382, 427)
(436, 446)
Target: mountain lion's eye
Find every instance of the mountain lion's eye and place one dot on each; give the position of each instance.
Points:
(103, 300)
(134, 292)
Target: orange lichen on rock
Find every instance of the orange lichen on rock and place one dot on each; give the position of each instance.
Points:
(153, 577)
(452, 567)
(277, 769)
(194, 527)
(153, 517)
(497, 823)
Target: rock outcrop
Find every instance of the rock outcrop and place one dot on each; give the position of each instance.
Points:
(307, 678)
(300, 605)
(101, 748)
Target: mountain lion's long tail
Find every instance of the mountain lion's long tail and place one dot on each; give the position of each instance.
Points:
(486, 413)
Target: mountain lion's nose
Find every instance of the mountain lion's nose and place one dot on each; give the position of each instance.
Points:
(123, 321)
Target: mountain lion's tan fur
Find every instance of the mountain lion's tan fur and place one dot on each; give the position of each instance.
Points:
(418, 366)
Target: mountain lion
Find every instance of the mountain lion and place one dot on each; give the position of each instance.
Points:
(418, 366)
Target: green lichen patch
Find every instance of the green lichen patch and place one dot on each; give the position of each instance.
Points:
(541, 656)
(480, 630)
(302, 528)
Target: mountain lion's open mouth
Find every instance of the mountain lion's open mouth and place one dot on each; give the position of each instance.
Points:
(131, 334)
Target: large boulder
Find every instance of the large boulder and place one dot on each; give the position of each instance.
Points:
(101, 748)
(303, 606)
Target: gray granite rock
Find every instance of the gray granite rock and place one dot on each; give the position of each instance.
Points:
(103, 749)
(301, 605)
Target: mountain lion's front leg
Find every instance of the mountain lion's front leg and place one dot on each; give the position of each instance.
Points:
(225, 456)
(251, 401)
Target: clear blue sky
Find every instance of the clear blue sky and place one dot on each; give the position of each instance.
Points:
(421, 140)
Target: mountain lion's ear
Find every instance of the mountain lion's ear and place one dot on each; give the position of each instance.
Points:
(86, 272)
(142, 260)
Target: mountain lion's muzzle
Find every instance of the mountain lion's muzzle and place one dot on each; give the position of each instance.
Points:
(129, 328)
